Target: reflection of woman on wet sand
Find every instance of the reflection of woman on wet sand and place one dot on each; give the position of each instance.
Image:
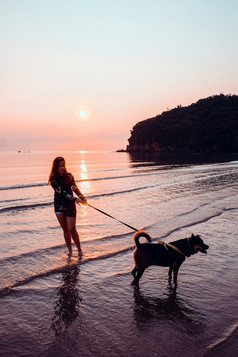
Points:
(64, 202)
(66, 308)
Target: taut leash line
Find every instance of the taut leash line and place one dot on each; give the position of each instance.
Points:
(106, 214)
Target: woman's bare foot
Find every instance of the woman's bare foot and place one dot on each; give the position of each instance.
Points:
(80, 253)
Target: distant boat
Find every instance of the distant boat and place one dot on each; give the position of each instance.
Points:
(121, 150)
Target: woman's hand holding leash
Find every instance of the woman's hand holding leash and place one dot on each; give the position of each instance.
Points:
(82, 200)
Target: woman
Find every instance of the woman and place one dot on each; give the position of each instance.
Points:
(64, 202)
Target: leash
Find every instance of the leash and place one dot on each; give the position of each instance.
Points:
(106, 214)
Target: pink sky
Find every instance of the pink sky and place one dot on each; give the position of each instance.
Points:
(120, 62)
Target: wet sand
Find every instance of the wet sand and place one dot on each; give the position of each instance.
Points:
(85, 311)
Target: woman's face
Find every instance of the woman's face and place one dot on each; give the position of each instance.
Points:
(61, 168)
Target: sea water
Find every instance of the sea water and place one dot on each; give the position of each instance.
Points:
(55, 305)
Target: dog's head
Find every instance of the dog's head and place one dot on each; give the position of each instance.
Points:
(197, 245)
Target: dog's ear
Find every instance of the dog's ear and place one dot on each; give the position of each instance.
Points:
(192, 236)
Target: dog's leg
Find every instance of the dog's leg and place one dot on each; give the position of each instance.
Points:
(134, 272)
(170, 274)
(137, 277)
(175, 269)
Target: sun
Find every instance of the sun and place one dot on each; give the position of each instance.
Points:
(83, 114)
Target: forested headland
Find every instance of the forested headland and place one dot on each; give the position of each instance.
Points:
(209, 125)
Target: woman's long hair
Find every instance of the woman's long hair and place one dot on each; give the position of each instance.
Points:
(55, 167)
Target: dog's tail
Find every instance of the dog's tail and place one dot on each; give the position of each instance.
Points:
(139, 234)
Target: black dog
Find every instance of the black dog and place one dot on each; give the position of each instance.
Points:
(170, 255)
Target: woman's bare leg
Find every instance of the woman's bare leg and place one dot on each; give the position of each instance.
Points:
(64, 225)
(71, 223)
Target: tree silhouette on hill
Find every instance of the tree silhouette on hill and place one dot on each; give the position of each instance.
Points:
(209, 125)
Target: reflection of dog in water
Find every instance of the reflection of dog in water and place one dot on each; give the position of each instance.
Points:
(151, 311)
(170, 255)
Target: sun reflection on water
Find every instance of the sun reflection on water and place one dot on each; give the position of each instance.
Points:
(85, 184)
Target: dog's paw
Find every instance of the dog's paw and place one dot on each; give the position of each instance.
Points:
(135, 284)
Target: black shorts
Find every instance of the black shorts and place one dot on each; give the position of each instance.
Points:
(69, 210)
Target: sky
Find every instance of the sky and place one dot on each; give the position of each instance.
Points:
(78, 75)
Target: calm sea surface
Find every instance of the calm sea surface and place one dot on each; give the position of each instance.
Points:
(52, 305)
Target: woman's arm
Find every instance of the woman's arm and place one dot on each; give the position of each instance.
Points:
(76, 190)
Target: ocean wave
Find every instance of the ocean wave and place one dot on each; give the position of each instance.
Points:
(60, 269)
(195, 222)
(45, 254)
(150, 172)
(20, 186)
(25, 207)
(109, 194)
(203, 205)
(229, 335)
(49, 250)
(44, 204)
(31, 185)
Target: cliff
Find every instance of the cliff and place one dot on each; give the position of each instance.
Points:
(209, 125)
